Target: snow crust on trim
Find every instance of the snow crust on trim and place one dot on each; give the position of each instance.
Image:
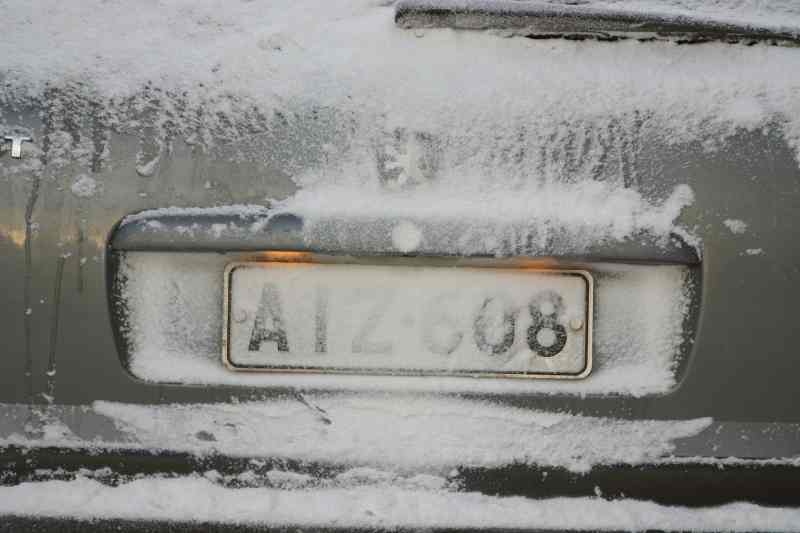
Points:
(459, 215)
(408, 433)
(198, 499)
(240, 210)
(89, 429)
(463, 215)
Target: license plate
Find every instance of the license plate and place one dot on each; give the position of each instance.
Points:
(400, 319)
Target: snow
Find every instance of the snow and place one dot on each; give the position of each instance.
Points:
(736, 226)
(197, 499)
(406, 237)
(371, 436)
(413, 433)
(288, 480)
(174, 305)
(238, 210)
(84, 186)
(474, 215)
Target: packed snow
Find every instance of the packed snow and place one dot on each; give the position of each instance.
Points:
(198, 499)
(246, 429)
(389, 432)
(367, 433)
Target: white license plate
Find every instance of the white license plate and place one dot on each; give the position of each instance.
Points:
(354, 318)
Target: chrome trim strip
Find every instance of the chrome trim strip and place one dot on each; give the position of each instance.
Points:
(564, 19)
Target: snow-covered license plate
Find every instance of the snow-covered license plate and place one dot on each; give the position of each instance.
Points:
(354, 318)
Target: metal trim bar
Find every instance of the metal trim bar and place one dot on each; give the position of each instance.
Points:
(214, 232)
(555, 19)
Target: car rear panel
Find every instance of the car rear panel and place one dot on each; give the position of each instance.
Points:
(68, 345)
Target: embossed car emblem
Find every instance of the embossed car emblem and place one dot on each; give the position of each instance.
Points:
(16, 144)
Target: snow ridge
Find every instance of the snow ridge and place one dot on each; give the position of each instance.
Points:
(197, 499)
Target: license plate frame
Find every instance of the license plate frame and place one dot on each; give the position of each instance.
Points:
(480, 268)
